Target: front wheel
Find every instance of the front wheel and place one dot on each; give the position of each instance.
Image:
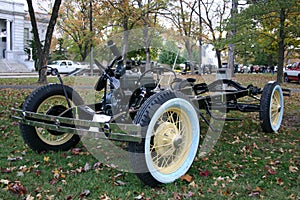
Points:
(271, 106)
(50, 100)
(171, 132)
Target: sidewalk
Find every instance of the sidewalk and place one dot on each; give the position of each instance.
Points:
(18, 74)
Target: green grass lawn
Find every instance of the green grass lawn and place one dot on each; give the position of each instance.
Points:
(244, 164)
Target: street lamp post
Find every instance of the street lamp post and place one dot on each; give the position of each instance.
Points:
(200, 38)
(91, 38)
(174, 64)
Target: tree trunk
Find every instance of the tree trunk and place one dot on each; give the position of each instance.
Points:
(125, 43)
(147, 46)
(43, 51)
(218, 53)
(232, 34)
(231, 59)
(281, 46)
(270, 60)
(188, 47)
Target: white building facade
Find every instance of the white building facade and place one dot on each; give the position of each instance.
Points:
(15, 34)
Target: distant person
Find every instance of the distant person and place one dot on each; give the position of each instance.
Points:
(272, 69)
(209, 68)
(251, 69)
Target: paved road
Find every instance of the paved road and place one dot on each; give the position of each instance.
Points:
(19, 75)
(35, 74)
(20, 87)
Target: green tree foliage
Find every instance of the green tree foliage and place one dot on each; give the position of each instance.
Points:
(267, 30)
(126, 15)
(169, 52)
(109, 19)
(74, 25)
(59, 53)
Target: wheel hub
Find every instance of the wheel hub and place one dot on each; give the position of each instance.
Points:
(56, 111)
(167, 139)
(177, 141)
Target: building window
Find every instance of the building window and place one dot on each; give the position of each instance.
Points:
(3, 35)
(26, 37)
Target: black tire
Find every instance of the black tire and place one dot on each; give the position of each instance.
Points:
(286, 78)
(40, 101)
(271, 107)
(299, 79)
(148, 157)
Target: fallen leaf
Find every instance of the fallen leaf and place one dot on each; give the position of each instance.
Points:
(53, 181)
(258, 189)
(5, 170)
(50, 197)
(271, 171)
(62, 176)
(187, 178)
(190, 194)
(210, 190)
(253, 194)
(87, 167)
(15, 158)
(76, 151)
(118, 175)
(70, 164)
(226, 193)
(4, 181)
(46, 159)
(293, 169)
(205, 173)
(193, 184)
(104, 197)
(255, 146)
(39, 196)
(177, 196)
(29, 197)
(37, 172)
(281, 150)
(97, 164)
(20, 174)
(38, 189)
(204, 158)
(55, 173)
(279, 181)
(17, 188)
(256, 192)
(120, 183)
(84, 194)
(69, 197)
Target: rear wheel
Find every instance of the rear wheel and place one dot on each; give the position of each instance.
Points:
(171, 132)
(50, 100)
(271, 106)
(286, 78)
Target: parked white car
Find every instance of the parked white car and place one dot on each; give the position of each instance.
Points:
(64, 66)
